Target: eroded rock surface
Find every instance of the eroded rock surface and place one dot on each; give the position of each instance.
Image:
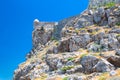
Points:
(88, 43)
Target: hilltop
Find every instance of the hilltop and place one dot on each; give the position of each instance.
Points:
(82, 47)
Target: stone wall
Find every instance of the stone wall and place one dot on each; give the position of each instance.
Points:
(42, 32)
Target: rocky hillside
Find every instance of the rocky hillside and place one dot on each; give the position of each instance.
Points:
(82, 47)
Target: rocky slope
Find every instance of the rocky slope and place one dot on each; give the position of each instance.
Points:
(82, 47)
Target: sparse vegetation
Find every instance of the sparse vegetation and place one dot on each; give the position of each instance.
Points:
(77, 31)
(67, 68)
(118, 35)
(104, 76)
(94, 33)
(65, 78)
(56, 43)
(53, 38)
(83, 55)
(71, 28)
(71, 59)
(118, 23)
(110, 4)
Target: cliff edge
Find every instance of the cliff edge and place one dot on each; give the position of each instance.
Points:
(82, 47)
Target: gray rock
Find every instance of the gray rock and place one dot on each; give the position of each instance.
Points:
(96, 17)
(104, 44)
(118, 52)
(69, 63)
(90, 12)
(112, 73)
(111, 21)
(115, 31)
(80, 78)
(93, 47)
(42, 32)
(88, 62)
(119, 7)
(108, 12)
(55, 50)
(113, 42)
(103, 66)
(59, 64)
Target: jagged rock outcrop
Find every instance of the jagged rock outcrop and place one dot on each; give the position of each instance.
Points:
(88, 43)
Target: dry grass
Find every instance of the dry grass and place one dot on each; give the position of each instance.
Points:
(38, 56)
(106, 76)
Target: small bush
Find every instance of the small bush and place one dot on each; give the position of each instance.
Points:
(110, 4)
(67, 68)
(102, 78)
(53, 38)
(77, 31)
(71, 59)
(65, 78)
(118, 23)
(118, 35)
(71, 28)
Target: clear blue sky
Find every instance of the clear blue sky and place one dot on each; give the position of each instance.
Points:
(16, 19)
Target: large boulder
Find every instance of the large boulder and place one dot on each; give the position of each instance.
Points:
(74, 43)
(53, 62)
(103, 66)
(88, 62)
(113, 42)
(98, 15)
(93, 47)
(118, 52)
(41, 37)
(111, 21)
(92, 64)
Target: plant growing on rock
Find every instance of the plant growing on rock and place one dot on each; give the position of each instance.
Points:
(71, 59)
(103, 76)
(67, 68)
(118, 23)
(110, 4)
(81, 56)
(53, 38)
(65, 78)
(77, 31)
(118, 35)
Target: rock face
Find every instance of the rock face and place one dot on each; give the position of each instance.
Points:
(42, 33)
(88, 43)
(98, 3)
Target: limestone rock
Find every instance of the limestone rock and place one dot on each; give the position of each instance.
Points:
(88, 62)
(103, 66)
(118, 52)
(88, 43)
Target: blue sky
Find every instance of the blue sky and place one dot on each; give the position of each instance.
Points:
(16, 25)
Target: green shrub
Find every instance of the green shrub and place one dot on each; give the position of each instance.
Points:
(65, 78)
(102, 78)
(67, 68)
(77, 31)
(118, 23)
(71, 59)
(110, 4)
(53, 38)
(118, 35)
